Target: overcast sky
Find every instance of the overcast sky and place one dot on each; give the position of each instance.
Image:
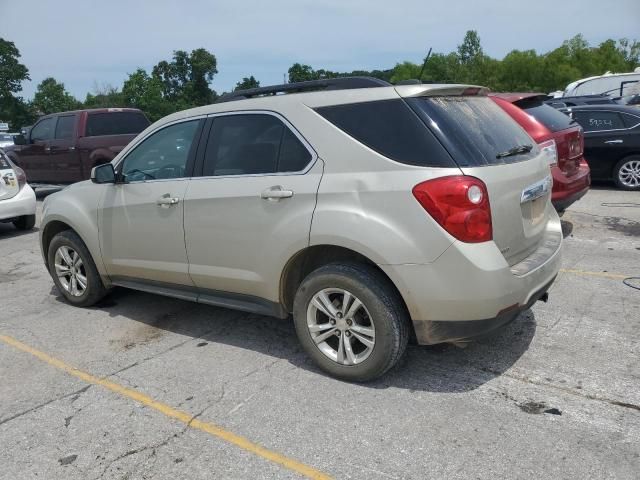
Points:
(83, 43)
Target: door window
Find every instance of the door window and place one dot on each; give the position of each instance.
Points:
(43, 130)
(251, 144)
(65, 126)
(595, 121)
(163, 155)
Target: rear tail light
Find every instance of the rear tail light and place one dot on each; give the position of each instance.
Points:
(576, 146)
(21, 176)
(550, 150)
(460, 204)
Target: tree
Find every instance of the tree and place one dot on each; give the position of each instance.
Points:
(470, 50)
(301, 73)
(104, 96)
(246, 83)
(145, 92)
(51, 97)
(13, 108)
(185, 80)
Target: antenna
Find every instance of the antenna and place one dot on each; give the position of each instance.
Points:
(425, 63)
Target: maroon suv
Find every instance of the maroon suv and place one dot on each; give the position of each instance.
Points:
(63, 147)
(558, 135)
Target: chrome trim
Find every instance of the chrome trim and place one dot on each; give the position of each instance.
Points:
(536, 190)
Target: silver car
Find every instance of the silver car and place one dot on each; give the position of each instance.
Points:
(371, 213)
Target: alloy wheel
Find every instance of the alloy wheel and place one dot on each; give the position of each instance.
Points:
(70, 271)
(341, 326)
(629, 174)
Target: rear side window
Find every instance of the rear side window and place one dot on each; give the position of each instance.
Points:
(474, 129)
(595, 121)
(115, 123)
(630, 121)
(390, 128)
(65, 126)
(251, 144)
(545, 114)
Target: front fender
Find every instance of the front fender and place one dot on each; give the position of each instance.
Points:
(76, 206)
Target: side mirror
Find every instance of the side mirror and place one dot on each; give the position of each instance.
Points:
(103, 174)
(20, 140)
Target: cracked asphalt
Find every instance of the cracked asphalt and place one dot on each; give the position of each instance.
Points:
(554, 395)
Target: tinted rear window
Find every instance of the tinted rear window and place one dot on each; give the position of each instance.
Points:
(474, 129)
(545, 114)
(115, 123)
(390, 128)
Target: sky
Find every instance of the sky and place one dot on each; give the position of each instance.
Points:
(92, 43)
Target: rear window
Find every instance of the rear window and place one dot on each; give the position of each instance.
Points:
(474, 129)
(545, 114)
(115, 123)
(390, 128)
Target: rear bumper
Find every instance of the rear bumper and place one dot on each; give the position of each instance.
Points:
(567, 190)
(471, 290)
(24, 203)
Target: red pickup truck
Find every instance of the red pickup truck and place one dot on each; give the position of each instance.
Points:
(63, 147)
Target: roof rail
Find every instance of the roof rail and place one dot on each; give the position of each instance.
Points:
(341, 83)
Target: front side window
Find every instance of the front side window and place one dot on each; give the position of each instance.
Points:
(251, 144)
(163, 155)
(65, 126)
(595, 121)
(43, 130)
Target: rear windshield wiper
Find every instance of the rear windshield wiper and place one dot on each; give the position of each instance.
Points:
(515, 151)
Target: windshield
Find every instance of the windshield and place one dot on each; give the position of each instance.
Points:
(475, 130)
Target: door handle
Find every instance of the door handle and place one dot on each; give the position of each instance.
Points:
(614, 141)
(47, 149)
(167, 200)
(276, 193)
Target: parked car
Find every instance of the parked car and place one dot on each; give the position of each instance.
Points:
(370, 214)
(556, 134)
(613, 84)
(62, 148)
(611, 142)
(6, 139)
(564, 102)
(17, 199)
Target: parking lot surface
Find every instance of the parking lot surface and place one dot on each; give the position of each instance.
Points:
(143, 386)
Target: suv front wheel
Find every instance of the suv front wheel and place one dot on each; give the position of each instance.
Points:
(351, 321)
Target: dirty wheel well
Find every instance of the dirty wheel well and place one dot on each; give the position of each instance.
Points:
(311, 258)
(50, 231)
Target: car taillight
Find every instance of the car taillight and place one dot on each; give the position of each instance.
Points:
(550, 150)
(460, 204)
(576, 146)
(21, 176)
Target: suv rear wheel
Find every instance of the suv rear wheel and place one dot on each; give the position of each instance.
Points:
(73, 270)
(351, 321)
(626, 173)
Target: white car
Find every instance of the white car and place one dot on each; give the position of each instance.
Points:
(17, 199)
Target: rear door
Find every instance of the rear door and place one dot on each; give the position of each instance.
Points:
(65, 161)
(251, 209)
(479, 135)
(607, 139)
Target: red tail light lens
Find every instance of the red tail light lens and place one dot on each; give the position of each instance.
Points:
(21, 176)
(460, 204)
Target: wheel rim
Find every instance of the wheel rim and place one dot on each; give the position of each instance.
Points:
(70, 271)
(629, 173)
(340, 326)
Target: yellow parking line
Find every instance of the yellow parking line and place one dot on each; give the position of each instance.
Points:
(165, 409)
(614, 276)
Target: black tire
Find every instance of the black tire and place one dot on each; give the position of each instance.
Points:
(95, 289)
(616, 172)
(26, 222)
(382, 301)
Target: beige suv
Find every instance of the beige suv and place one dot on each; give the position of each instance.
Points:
(372, 213)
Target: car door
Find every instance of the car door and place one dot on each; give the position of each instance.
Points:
(64, 158)
(35, 159)
(606, 139)
(251, 208)
(141, 216)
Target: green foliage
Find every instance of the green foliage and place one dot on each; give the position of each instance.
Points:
(105, 96)
(246, 83)
(147, 93)
(51, 97)
(13, 109)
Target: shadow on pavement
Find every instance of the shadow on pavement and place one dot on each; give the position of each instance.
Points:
(440, 368)
(7, 230)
